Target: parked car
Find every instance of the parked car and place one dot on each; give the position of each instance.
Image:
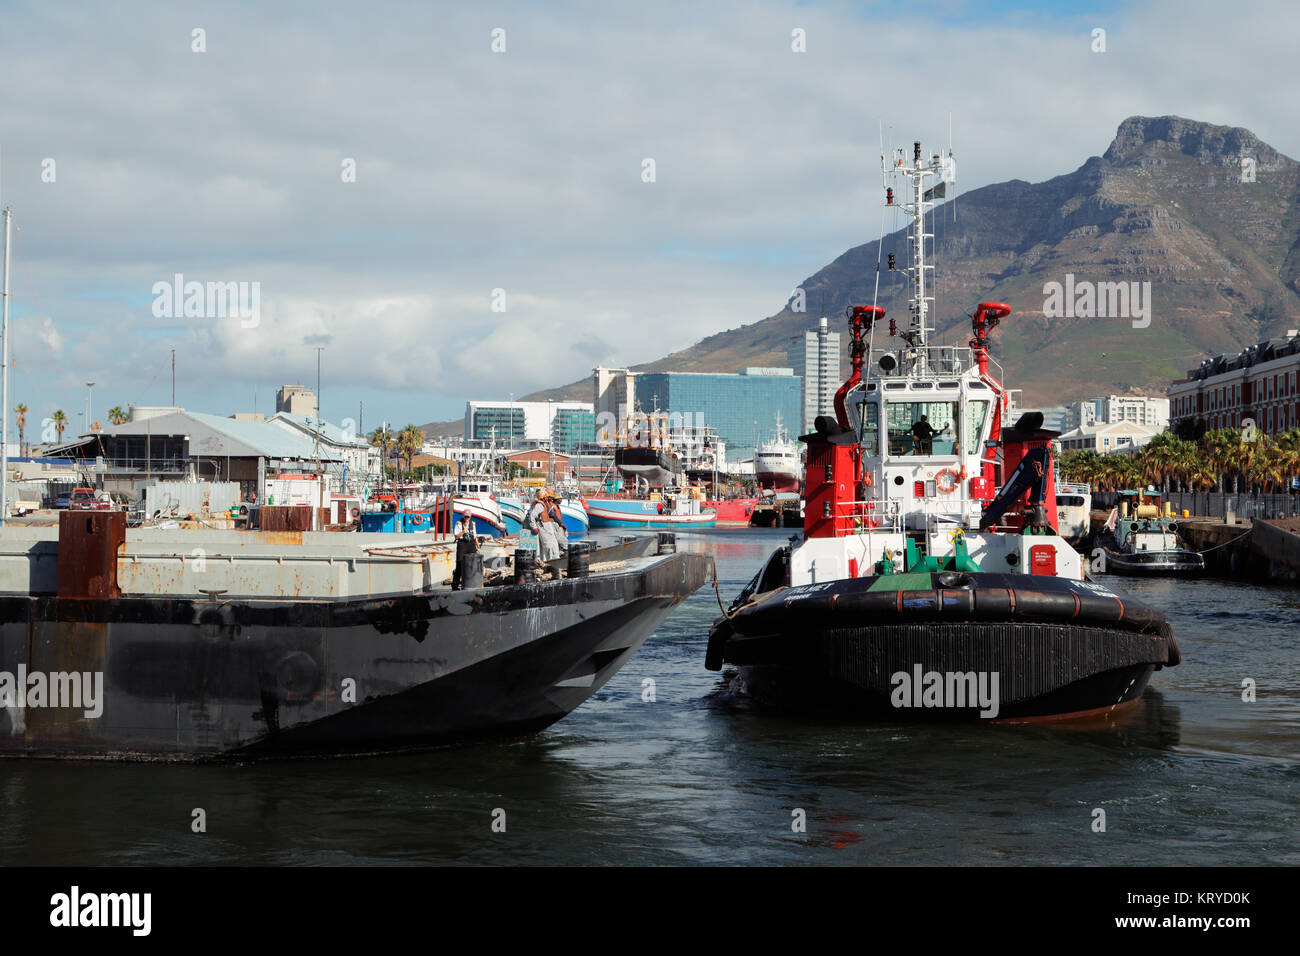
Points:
(87, 499)
(63, 500)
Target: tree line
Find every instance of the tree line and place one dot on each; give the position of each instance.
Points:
(1231, 460)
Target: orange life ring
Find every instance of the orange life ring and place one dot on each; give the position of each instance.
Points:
(947, 487)
(417, 519)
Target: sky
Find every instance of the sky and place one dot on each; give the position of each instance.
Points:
(447, 221)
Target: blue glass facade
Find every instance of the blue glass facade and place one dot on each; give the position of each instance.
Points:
(503, 424)
(741, 408)
(571, 428)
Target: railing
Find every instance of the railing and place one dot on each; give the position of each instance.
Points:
(859, 517)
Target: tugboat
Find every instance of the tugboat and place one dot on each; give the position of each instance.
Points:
(1138, 540)
(930, 579)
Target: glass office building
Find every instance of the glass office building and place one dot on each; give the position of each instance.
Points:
(572, 427)
(741, 408)
(503, 424)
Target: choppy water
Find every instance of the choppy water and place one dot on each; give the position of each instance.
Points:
(1194, 777)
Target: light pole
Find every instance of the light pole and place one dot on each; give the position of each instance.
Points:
(90, 402)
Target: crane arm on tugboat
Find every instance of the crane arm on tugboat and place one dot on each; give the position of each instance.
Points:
(1030, 475)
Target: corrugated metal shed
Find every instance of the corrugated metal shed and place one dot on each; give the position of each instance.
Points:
(215, 436)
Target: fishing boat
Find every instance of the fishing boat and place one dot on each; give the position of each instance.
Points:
(734, 511)
(513, 509)
(645, 455)
(664, 510)
(776, 462)
(930, 579)
(1138, 540)
(573, 511)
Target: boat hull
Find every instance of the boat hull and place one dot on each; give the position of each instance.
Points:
(778, 481)
(652, 465)
(733, 510)
(1151, 563)
(633, 513)
(192, 680)
(1058, 648)
(512, 513)
(576, 519)
(487, 517)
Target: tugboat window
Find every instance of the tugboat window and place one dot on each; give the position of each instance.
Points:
(977, 413)
(922, 428)
(869, 416)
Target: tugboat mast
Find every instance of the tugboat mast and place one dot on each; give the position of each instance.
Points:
(938, 168)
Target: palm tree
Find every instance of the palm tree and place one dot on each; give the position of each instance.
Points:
(20, 415)
(116, 416)
(60, 421)
(1288, 450)
(1217, 446)
(1202, 476)
(410, 441)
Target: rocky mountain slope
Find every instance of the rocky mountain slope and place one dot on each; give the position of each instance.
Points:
(1165, 204)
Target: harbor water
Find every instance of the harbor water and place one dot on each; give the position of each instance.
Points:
(664, 767)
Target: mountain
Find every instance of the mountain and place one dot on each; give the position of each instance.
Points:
(1165, 204)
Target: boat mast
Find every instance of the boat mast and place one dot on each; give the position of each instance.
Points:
(921, 199)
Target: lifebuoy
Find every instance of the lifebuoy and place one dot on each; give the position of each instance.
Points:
(417, 519)
(661, 508)
(950, 485)
(356, 512)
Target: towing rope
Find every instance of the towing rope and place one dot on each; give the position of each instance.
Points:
(1228, 542)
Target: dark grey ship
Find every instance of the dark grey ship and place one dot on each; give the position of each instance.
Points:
(233, 644)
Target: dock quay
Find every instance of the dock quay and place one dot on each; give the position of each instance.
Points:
(1262, 550)
(776, 515)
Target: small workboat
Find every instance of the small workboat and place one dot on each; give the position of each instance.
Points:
(1138, 540)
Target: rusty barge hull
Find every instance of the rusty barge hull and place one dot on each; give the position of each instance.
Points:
(217, 677)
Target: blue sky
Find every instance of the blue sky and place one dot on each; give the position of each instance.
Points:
(521, 171)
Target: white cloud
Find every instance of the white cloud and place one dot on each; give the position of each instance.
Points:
(522, 171)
